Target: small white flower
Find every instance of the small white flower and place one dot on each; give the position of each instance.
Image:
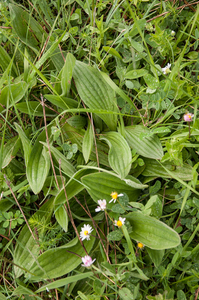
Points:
(120, 222)
(166, 70)
(102, 205)
(85, 232)
(114, 196)
(173, 33)
(87, 260)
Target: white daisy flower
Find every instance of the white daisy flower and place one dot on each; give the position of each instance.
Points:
(102, 205)
(166, 70)
(85, 232)
(114, 196)
(120, 222)
(87, 260)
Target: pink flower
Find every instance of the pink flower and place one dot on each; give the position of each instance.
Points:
(188, 117)
(102, 205)
(87, 260)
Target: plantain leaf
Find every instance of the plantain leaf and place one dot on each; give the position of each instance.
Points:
(5, 61)
(156, 256)
(12, 93)
(63, 102)
(66, 166)
(57, 262)
(67, 73)
(112, 51)
(38, 164)
(64, 281)
(95, 92)
(34, 108)
(10, 150)
(119, 154)
(27, 147)
(87, 145)
(153, 168)
(136, 74)
(77, 121)
(27, 248)
(148, 147)
(26, 27)
(101, 185)
(151, 232)
(62, 217)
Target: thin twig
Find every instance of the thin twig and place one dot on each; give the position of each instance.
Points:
(167, 12)
(69, 210)
(196, 294)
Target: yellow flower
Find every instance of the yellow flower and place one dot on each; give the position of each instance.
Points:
(140, 245)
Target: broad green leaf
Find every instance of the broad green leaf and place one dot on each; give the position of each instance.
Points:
(62, 102)
(95, 92)
(151, 81)
(27, 147)
(151, 232)
(5, 61)
(155, 204)
(27, 247)
(156, 256)
(153, 168)
(77, 121)
(12, 93)
(66, 166)
(112, 51)
(62, 217)
(27, 28)
(101, 185)
(125, 294)
(67, 74)
(34, 108)
(64, 281)
(10, 150)
(148, 147)
(136, 74)
(57, 262)
(137, 46)
(115, 235)
(87, 145)
(38, 164)
(119, 155)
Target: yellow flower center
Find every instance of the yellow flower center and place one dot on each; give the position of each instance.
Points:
(86, 232)
(189, 116)
(140, 245)
(119, 223)
(114, 195)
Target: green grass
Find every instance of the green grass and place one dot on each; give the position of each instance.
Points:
(86, 110)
